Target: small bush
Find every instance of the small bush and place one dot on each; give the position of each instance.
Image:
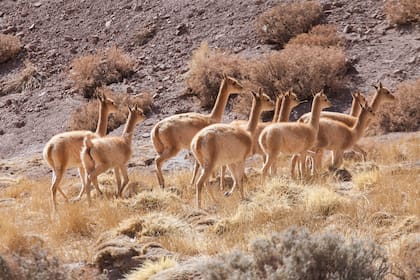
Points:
(86, 116)
(284, 21)
(206, 70)
(150, 268)
(324, 35)
(145, 34)
(402, 11)
(402, 115)
(295, 254)
(9, 47)
(29, 78)
(91, 71)
(305, 69)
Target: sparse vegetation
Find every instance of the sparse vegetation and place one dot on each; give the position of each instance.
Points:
(151, 268)
(402, 11)
(206, 71)
(91, 71)
(86, 116)
(145, 34)
(286, 20)
(305, 69)
(29, 78)
(403, 115)
(9, 47)
(324, 35)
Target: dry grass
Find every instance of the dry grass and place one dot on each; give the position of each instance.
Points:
(305, 69)
(403, 115)
(27, 79)
(9, 47)
(381, 205)
(106, 67)
(284, 21)
(402, 11)
(144, 34)
(86, 116)
(151, 268)
(207, 66)
(325, 35)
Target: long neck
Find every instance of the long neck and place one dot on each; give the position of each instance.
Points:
(315, 112)
(285, 110)
(376, 102)
(361, 124)
(254, 116)
(276, 116)
(220, 104)
(355, 108)
(130, 124)
(102, 120)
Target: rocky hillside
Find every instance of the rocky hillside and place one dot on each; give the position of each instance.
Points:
(55, 32)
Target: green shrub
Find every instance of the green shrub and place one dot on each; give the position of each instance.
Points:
(284, 21)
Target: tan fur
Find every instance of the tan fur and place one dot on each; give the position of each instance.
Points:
(291, 138)
(62, 151)
(226, 144)
(100, 154)
(175, 133)
(284, 105)
(340, 136)
(382, 95)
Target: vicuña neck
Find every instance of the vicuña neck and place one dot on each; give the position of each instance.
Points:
(254, 115)
(279, 103)
(130, 124)
(315, 112)
(285, 110)
(361, 123)
(102, 121)
(376, 102)
(355, 108)
(221, 101)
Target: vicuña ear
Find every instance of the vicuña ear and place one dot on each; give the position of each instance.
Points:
(255, 95)
(224, 75)
(380, 85)
(354, 95)
(376, 87)
(260, 91)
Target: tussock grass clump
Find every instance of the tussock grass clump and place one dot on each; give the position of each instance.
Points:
(106, 67)
(150, 268)
(401, 116)
(284, 21)
(73, 221)
(162, 224)
(86, 116)
(324, 35)
(9, 47)
(305, 69)
(207, 66)
(156, 200)
(296, 254)
(27, 79)
(144, 34)
(322, 201)
(402, 11)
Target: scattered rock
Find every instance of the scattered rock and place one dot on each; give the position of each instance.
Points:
(19, 124)
(181, 29)
(2, 132)
(10, 29)
(149, 161)
(32, 26)
(37, 4)
(348, 29)
(68, 39)
(129, 89)
(95, 39)
(108, 24)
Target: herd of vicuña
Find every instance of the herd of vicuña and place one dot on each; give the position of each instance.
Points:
(217, 145)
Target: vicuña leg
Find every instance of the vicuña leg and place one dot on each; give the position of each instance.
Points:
(160, 159)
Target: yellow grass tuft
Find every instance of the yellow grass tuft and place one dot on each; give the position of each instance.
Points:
(9, 47)
(366, 180)
(29, 78)
(150, 268)
(320, 201)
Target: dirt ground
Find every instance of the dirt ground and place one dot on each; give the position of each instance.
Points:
(55, 32)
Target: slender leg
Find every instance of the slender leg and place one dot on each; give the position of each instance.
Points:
(195, 172)
(358, 149)
(117, 178)
(160, 159)
(83, 179)
(125, 179)
(295, 161)
(56, 179)
(337, 159)
(268, 163)
(204, 176)
(222, 177)
(92, 177)
(237, 170)
(319, 153)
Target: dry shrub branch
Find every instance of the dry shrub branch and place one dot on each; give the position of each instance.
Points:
(86, 116)
(323, 35)
(106, 67)
(28, 78)
(9, 47)
(402, 11)
(284, 21)
(403, 115)
(207, 66)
